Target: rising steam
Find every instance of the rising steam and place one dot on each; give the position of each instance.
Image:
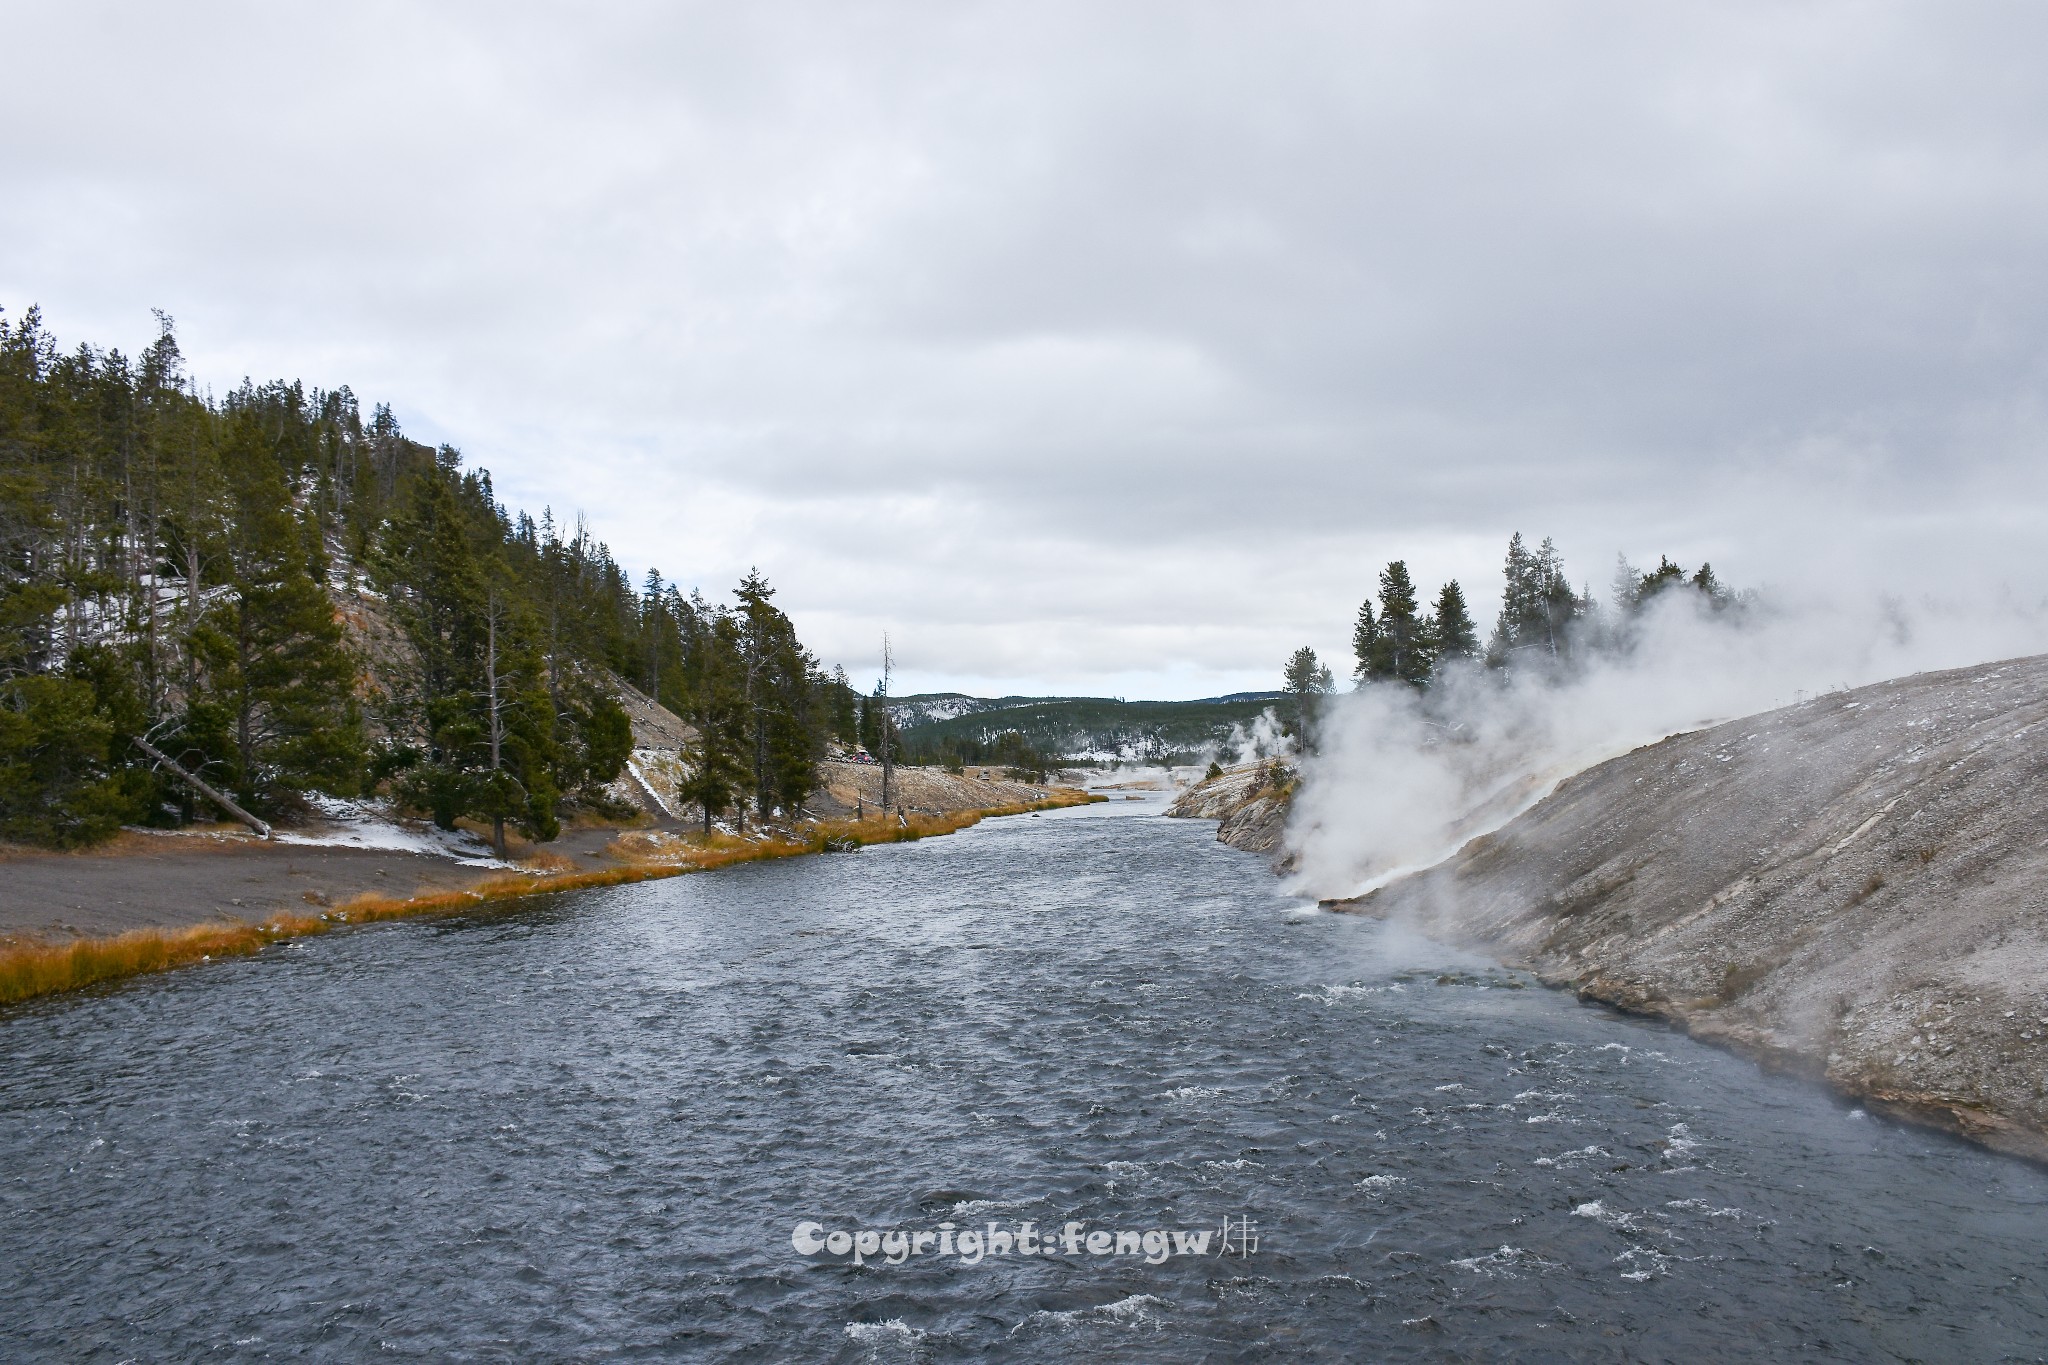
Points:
(1400, 779)
(1254, 743)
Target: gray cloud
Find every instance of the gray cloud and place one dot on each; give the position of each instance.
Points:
(1105, 348)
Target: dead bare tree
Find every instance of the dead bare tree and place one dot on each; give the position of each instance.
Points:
(886, 726)
(193, 781)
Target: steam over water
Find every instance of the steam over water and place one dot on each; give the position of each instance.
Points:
(587, 1127)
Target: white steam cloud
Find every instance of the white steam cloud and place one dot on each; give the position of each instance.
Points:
(1402, 780)
(1255, 743)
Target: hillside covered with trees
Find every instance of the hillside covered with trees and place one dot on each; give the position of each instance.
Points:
(1033, 734)
(284, 597)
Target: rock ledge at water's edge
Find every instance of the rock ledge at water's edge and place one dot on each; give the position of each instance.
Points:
(1854, 888)
(1250, 801)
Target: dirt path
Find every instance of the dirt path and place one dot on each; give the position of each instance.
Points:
(224, 874)
(167, 881)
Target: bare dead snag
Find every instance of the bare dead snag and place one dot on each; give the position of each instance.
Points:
(193, 781)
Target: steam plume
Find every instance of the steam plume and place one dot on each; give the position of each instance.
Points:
(1400, 780)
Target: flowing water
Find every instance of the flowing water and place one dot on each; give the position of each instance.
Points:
(589, 1128)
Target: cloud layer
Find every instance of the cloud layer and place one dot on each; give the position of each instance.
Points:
(1105, 348)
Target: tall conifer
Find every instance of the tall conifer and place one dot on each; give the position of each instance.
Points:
(1451, 627)
(1402, 650)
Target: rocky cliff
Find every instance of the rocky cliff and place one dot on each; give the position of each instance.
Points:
(1249, 801)
(1855, 887)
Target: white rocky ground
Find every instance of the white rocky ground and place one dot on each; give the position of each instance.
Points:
(1250, 801)
(1855, 887)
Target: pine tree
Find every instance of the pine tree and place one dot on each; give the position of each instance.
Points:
(527, 735)
(193, 528)
(719, 710)
(30, 595)
(868, 724)
(1451, 627)
(1558, 604)
(1516, 605)
(1365, 638)
(796, 737)
(66, 777)
(845, 720)
(1626, 587)
(780, 682)
(1402, 649)
(1538, 605)
(1307, 681)
(1633, 591)
(436, 586)
(1666, 575)
(1709, 587)
(652, 628)
(497, 791)
(277, 680)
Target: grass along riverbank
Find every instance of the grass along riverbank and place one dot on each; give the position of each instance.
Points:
(36, 968)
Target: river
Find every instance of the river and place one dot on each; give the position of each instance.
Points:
(602, 1125)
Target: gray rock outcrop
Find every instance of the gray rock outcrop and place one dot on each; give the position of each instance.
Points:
(1855, 887)
(1249, 801)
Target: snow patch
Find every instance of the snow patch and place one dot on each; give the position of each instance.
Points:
(371, 825)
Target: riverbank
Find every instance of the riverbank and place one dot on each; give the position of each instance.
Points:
(149, 902)
(1250, 803)
(1854, 889)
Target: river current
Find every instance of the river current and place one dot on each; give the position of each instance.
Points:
(602, 1125)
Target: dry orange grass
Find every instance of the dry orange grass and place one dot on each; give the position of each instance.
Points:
(34, 968)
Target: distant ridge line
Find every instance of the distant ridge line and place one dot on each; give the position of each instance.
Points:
(1005, 703)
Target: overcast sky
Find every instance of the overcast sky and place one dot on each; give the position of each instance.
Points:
(1103, 348)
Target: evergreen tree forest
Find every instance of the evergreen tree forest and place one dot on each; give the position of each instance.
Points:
(286, 597)
(1404, 642)
(1544, 624)
(1008, 750)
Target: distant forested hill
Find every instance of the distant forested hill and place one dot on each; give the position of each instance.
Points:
(947, 725)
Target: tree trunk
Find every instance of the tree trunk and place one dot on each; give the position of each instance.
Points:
(497, 718)
(886, 733)
(491, 681)
(555, 640)
(193, 781)
(245, 741)
(760, 765)
(191, 618)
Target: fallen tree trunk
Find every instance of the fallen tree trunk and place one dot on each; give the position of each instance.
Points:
(193, 781)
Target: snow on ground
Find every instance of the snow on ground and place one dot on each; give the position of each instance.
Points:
(369, 824)
(655, 775)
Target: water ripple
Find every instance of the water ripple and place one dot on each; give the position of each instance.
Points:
(586, 1127)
